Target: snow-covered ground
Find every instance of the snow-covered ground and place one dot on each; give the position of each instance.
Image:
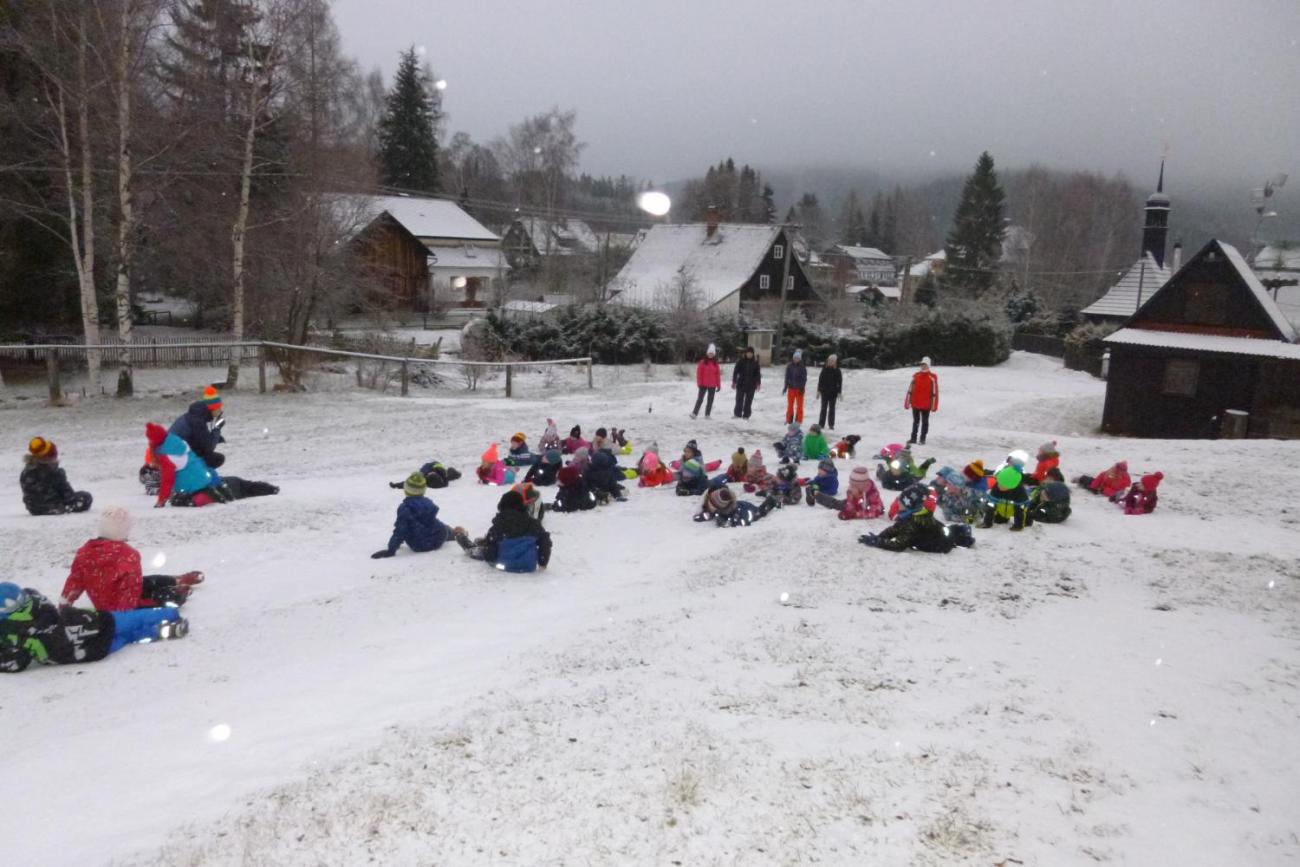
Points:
(1116, 688)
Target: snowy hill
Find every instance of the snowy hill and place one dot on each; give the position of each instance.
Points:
(1111, 689)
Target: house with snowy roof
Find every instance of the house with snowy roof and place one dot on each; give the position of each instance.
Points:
(851, 264)
(1277, 265)
(528, 239)
(1209, 349)
(424, 249)
(712, 266)
(1141, 280)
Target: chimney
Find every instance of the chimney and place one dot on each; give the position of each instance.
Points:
(711, 219)
(1178, 257)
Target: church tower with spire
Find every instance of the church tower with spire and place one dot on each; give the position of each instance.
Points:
(1155, 231)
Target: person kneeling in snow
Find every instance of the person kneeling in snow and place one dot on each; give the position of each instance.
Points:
(108, 570)
(721, 506)
(417, 522)
(1142, 498)
(34, 629)
(516, 541)
(916, 527)
(45, 485)
(184, 474)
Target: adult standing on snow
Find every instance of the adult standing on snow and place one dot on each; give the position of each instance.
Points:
(708, 376)
(830, 382)
(922, 399)
(796, 380)
(200, 430)
(746, 379)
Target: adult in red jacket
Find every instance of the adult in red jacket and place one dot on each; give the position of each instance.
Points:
(108, 570)
(708, 376)
(922, 399)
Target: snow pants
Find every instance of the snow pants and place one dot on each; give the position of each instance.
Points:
(794, 405)
(130, 627)
(78, 502)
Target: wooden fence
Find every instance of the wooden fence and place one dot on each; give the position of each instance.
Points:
(153, 352)
(1042, 344)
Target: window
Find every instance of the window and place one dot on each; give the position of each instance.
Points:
(764, 281)
(778, 251)
(789, 283)
(1180, 377)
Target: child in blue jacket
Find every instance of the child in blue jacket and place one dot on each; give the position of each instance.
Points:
(516, 541)
(827, 481)
(417, 522)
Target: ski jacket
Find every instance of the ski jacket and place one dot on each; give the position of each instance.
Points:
(708, 373)
(1044, 466)
(542, 473)
(1110, 483)
(742, 516)
(109, 573)
(920, 530)
(39, 631)
(572, 444)
(815, 447)
(660, 475)
(796, 376)
(828, 484)
(747, 375)
(923, 393)
(45, 487)
(418, 526)
(791, 446)
(602, 473)
(193, 428)
(862, 504)
(1140, 501)
(183, 472)
(830, 382)
(495, 474)
(511, 524)
(438, 476)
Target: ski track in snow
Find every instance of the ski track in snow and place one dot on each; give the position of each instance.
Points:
(1113, 689)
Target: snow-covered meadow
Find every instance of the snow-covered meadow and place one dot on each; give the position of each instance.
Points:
(1116, 689)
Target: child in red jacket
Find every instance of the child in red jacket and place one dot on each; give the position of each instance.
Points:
(108, 570)
(1110, 484)
(1049, 458)
(1141, 499)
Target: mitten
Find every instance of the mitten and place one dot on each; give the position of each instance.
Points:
(381, 555)
(871, 540)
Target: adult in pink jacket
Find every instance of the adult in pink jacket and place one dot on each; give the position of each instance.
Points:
(922, 399)
(708, 376)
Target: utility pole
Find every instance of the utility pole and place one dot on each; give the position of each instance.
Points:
(787, 252)
(905, 292)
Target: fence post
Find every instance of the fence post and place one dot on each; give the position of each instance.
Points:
(406, 379)
(261, 369)
(52, 375)
(154, 341)
(509, 378)
(589, 381)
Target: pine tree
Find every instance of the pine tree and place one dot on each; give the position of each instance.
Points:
(408, 145)
(975, 242)
(812, 219)
(852, 222)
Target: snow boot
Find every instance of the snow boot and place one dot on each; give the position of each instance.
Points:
(173, 629)
(189, 579)
(810, 495)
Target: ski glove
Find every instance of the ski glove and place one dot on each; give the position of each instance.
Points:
(380, 555)
(217, 460)
(871, 540)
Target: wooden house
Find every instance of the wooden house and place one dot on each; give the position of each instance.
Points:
(393, 262)
(1210, 343)
(852, 265)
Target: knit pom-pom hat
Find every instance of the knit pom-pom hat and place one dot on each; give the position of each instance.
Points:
(42, 450)
(115, 524)
(1151, 481)
(1048, 450)
(155, 434)
(415, 485)
(212, 398)
(721, 500)
(490, 456)
(859, 477)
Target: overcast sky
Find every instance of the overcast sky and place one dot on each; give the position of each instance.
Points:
(664, 87)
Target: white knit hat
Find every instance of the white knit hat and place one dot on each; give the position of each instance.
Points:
(115, 524)
(712, 350)
(926, 361)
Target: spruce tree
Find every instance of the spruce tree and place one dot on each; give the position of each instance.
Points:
(408, 145)
(975, 243)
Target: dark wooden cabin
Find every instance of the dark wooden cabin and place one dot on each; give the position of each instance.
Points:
(394, 264)
(1210, 341)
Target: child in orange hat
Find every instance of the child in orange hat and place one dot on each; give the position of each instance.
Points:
(45, 485)
(492, 471)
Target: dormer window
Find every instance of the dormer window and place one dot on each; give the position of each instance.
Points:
(778, 251)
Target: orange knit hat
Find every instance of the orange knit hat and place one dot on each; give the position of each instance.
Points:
(43, 450)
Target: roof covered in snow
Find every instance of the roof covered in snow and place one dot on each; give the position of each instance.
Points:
(567, 238)
(1121, 300)
(533, 307)
(926, 265)
(854, 252)
(718, 266)
(1284, 326)
(1280, 256)
(1206, 343)
(425, 218)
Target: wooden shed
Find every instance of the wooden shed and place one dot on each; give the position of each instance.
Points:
(1210, 340)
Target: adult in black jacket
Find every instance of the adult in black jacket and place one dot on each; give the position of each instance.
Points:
(511, 521)
(829, 385)
(746, 377)
(196, 428)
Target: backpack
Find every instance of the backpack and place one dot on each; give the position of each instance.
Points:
(517, 554)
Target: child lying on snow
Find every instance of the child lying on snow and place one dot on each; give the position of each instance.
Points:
(861, 499)
(1141, 499)
(436, 476)
(492, 470)
(898, 470)
(417, 523)
(108, 570)
(847, 447)
(1111, 484)
(691, 480)
(917, 528)
(34, 629)
(516, 541)
(1050, 501)
(722, 507)
(827, 482)
(45, 485)
(653, 473)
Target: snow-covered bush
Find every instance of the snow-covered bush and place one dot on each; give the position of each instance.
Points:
(1084, 346)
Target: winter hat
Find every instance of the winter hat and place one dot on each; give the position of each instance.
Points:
(527, 491)
(511, 499)
(974, 470)
(518, 438)
(859, 477)
(212, 398)
(711, 351)
(490, 456)
(1018, 459)
(155, 434)
(721, 500)
(551, 429)
(415, 485)
(553, 456)
(832, 359)
(917, 497)
(826, 465)
(787, 473)
(792, 428)
(798, 355)
(738, 458)
(925, 362)
(576, 432)
(1048, 450)
(43, 451)
(11, 598)
(1151, 481)
(1122, 466)
(756, 462)
(115, 524)
(814, 428)
(691, 468)
(650, 462)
